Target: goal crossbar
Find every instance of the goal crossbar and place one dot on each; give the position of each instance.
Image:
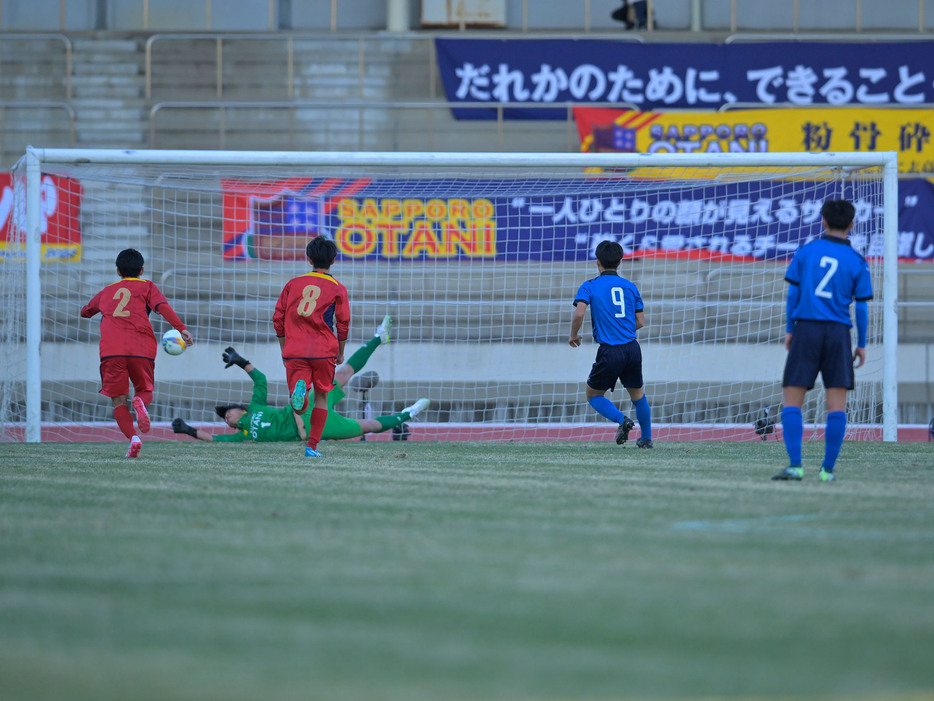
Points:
(856, 159)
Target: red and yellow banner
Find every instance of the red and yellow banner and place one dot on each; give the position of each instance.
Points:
(910, 132)
(59, 219)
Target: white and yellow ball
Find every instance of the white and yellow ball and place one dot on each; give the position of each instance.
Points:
(173, 343)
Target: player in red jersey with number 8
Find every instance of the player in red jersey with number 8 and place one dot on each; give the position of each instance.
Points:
(128, 344)
(311, 321)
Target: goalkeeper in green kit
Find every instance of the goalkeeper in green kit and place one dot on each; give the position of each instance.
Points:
(263, 423)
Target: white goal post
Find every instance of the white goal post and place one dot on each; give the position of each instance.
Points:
(477, 256)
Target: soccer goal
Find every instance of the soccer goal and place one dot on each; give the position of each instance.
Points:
(477, 257)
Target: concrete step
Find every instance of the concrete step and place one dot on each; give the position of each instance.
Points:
(93, 79)
(338, 92)
(88, 127)
(104, 51)
(19, 85)
(111, 86)
(110, 137)
(107, 68)
(312, 69)
(105, 102)
(113, 114)
(110, 45)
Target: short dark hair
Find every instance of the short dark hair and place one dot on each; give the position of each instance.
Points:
(130, 262)
(609, 254)
(838, 214)
(222, 409)
(321, 252)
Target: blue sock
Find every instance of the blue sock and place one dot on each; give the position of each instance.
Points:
(792, 432)
(644, 416)
(606, 409)
(833, 438)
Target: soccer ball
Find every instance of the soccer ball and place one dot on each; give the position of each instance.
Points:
(173, 343)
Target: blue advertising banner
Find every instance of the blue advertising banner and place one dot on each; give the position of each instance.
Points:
(915, 223)
(734, 221)
(554, 72)
(563, 220)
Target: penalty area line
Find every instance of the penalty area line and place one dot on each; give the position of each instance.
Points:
(787, 525)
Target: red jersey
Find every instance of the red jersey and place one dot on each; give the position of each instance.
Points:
(313, 314)
(125, 327)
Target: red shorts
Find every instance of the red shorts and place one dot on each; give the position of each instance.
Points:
(118, 370)
(318, 373)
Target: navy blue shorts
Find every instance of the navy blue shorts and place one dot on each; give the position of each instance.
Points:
(623, 363)
(820, 346)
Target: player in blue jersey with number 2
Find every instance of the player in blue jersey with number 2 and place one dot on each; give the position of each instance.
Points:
(616, 312)
(824, 278)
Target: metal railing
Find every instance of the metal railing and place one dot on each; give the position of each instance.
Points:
(433, 118)
(827, 36)
(458, 15)
(18, 132)
(289, 41)
(286, 75)
(6, 129)
(32, 38)
(796, 16)
(435, 115)
(916, 311)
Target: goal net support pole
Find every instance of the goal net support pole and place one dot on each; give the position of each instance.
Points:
(33, 298)
(890, 299)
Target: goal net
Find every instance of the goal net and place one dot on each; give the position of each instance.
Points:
(476, 257)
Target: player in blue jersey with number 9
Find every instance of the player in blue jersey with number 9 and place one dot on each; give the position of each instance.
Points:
(616, 312)
(824, 277)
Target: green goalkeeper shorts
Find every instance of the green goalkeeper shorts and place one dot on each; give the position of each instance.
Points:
(339, 427)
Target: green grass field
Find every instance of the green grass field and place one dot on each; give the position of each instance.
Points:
(409, 571)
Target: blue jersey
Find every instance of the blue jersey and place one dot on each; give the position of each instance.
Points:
(829, 275)
(613, 302)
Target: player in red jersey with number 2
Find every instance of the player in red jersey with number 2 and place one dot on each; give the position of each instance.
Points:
(128, 344)
(311, 321)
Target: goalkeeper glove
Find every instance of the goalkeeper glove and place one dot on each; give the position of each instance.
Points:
(179, 426)
(232, 357)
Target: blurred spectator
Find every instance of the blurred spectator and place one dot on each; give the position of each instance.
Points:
(633, 13)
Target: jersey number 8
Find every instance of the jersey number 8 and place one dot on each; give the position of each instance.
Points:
(309, 300)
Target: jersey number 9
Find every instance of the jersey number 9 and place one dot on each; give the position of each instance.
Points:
(619, 299)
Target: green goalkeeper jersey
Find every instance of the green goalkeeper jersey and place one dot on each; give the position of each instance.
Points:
(264, 423)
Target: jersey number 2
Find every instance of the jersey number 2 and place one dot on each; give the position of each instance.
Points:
(619, 299)
(123, 294)
(821, 289)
